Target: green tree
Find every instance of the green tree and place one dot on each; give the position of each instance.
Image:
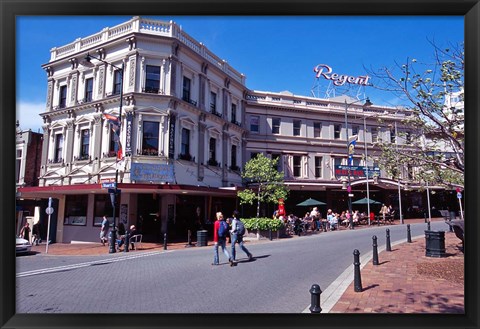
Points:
(266, 183)
(434, 96)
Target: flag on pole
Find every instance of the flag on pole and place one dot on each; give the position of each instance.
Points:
(115, 125)
(352, 141)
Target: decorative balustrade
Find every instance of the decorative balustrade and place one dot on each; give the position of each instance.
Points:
(147, 26)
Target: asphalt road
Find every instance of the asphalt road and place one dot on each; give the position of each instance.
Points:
(184, 281)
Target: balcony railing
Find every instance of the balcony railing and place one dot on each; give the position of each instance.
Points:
(213, 162)
(148, 152)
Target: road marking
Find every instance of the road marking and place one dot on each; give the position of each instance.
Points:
(96, 262)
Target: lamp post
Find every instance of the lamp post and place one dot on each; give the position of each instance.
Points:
(398, 165)
(115, 191)
(366, 166)
(349, 187)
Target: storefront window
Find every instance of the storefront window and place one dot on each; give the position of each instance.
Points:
(103, 207)
(76, 210)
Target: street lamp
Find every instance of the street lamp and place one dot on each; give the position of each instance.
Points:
(366, 164)
(115, 191)
(398, 165)
(349, 187)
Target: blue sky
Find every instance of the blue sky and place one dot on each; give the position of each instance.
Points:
(276, 53)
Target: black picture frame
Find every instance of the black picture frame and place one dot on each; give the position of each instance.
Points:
(470, 9)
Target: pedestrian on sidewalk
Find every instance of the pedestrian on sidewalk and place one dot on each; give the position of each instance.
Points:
(104, 230)
(220, 232)
(25, 232)
(237, 232)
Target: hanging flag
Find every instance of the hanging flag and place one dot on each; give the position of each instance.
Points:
(352, 141)
(115, 125)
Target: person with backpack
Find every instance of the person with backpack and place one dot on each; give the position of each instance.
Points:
(220, 232)
(237, 232)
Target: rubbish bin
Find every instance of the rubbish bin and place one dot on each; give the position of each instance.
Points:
(452, 215)
(202, 238)
(435, 244)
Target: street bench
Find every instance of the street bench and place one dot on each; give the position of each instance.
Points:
(458, 229)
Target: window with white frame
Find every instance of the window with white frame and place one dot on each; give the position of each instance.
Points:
(185, 145)
(317, 129)
(318, 167)
(297, 124)
(62, 101)
(152, 79)
(213, 102)
(233, 158)
(117, 82)
(58, 151)
(234, 113)
(254, 123)
(89, 90)
(336, 131)
(297, 166)
(84, 144)
(276, 125)
(355, 130)
(186, 89)
(374, 131)
(150, 145)
(212, 152)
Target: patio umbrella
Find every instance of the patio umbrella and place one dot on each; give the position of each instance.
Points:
(366, 201)
(311, 202)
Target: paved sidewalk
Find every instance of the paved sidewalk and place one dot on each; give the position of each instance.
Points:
(406, 281)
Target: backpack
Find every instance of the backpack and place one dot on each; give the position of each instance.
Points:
(222, 229)
(240, 227)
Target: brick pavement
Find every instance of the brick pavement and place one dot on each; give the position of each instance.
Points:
(406, 281)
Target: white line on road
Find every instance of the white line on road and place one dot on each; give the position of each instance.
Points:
(80, 265)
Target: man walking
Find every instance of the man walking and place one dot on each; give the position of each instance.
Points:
(237, 232)
(220, 230)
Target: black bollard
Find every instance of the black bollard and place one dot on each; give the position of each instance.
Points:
(315, 293)
(425, 216)
(270, 234)
(164, 241)
(389, 247)
(127, 240)
(428, 227)
(375, 250)
(356, 266)
(409, 235)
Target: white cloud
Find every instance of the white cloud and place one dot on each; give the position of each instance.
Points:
(28, 116)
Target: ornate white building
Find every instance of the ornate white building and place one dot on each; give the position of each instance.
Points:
(181, 129)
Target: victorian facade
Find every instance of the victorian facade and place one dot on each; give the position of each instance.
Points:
(181, 131)
(188, 125)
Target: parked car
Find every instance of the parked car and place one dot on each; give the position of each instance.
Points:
(22, 246)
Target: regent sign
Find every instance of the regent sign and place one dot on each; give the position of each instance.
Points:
(323, 70)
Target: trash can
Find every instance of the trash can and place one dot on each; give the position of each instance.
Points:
(452, 215)
(202, 238)
(435, 244)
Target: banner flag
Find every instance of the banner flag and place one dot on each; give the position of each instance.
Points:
(352, 141)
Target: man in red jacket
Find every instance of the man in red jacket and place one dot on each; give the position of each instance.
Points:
(220, 231)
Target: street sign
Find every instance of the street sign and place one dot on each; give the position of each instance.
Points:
(109, 185)
(49, 210)
(459, 195)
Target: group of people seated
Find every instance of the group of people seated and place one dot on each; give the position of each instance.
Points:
(314, 221)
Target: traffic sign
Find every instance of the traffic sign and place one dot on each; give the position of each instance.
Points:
(459, 195)
(109, 185)
(49, 210)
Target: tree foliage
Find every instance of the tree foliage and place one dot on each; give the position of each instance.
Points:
(436, 143)
(265, 181)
